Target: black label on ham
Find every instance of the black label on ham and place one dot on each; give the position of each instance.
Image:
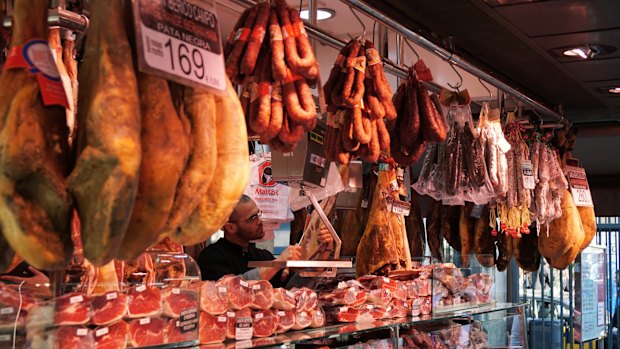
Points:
(189, 320)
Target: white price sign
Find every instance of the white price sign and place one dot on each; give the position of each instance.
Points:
(579, 187)
(528, 175)
(401, 207)
(180, 40)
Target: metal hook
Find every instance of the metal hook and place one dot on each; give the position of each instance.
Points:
(359, 20)
(486, 88)
(411, 47)
(460, 83)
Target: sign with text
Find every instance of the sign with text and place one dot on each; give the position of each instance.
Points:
(578, 183)
(180, 40)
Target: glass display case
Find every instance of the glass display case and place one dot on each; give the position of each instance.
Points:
(468, 286)
(500, 325)
(153, 301)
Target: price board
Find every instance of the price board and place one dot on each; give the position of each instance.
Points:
(578, 183)
(180, 40)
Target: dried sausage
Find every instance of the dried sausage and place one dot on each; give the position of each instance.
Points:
(353, 89)
(275, 120)
(241, 38)
(433, 128)
(298, 99)
(349, 142)
(375, 70)
(260, 100)
(230, 40)
(248, 63)
(297, 48)
(362, 127)
(291, 132)
(334, 74)
(384, 135)
(278, 65)
(410, 127)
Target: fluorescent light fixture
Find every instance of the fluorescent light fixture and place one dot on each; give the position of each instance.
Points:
(614, 90)
(321, 14)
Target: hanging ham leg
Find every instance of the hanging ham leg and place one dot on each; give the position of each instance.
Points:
(105, 177)
(35, 208)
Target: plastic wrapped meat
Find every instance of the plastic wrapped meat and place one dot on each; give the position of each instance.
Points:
(350, 296)
(147, 331)
(302, 320)
(342, 314)
(305, 298)
(212, 328)
(72, 309)
(379, 296)
(143, 301)
(239, 291)
(285, 320)
(264, 323)
(176, 300)
(318, 317)
(283, 299)
(108, 308)
(213, 298)
(262, 294)
(111, 336)
(232, 317)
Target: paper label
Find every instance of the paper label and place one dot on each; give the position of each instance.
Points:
(221, 289)
(259, 316)
(189, 320)
(243, 328)
(5, 337)
(394, 185)
(256, 287)
(476, 211)
(145, 321)
(244, 283)
(180, 41)
(102, 331)
(318, 160)
(176, 291)
(304, 314)
(281, 313)
(528, 175)
(76, 299)
(222, 319)
(364, 203)
(111, 295)
(343, 309)
(6, 311)
(579, 187)
(36, 57)
(141, 288)
(401, 207)
(81, 332)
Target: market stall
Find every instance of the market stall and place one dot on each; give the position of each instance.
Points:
(110, 169)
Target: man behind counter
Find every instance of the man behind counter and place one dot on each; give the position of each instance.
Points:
(231, 254)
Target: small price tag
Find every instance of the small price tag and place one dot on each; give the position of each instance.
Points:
(180, 41)
(281, 313)
(344, 309)
(579, 187)
(476, 211)
(256, 287)
(145, 321)
(111, 295)
(141, 288)
(318, 160)
(244, 283)
(370, 307)
(243, 328)
(230, 314)
(528, 175)
(221, 289)
(221, 319)
(401, 207)
(288, 155)
(364, 203)
(76, 299)
(7, 311)
(102, 331)
(259, 316)
(393, 185)
(176, 291)
(81, 332)
(304, 314)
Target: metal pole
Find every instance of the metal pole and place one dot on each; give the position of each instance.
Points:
(450, 57)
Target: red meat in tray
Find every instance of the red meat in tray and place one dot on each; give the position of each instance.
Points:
(147, 331)
(212, 328)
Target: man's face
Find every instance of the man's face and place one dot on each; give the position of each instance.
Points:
(249, 224)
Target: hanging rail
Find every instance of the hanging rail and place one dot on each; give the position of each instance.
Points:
(60, 18)
(451, 58)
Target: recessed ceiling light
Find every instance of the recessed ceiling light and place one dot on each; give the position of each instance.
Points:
(321, 14)
(614, 90)
(582, 52)
(585, 51)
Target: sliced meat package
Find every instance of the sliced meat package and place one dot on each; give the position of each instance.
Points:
(212, 328)
(379, 296)
(350, 296)
(108, 308)
(262, 294)
(317, 316)
(239, 291)
(341, 314)
(112, 336)
(264, 323)
(73, 337)
(72, 309)
(377, 312)
(232, 316)
(283, 299)
(213, 298)
(146, 331)
(305, 298)
(176, 300)
(143, 301)
(285, 320)
(302, 320)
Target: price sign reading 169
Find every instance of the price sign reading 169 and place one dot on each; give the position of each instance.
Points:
(180, 48)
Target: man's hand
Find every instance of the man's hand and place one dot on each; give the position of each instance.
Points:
(291, 253)
(38, 285)
(326, 239)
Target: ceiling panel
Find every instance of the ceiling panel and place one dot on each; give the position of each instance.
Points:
(595, 70)
(562, 16)
(603, 37)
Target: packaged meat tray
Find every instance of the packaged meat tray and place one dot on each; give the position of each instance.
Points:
(461, 288)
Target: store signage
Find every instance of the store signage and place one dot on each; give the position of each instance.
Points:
(578, 182)
(180, 41)
(243, 328)
(189, 320)
(528, 175)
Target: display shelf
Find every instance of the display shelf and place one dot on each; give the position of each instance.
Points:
(337, 331)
